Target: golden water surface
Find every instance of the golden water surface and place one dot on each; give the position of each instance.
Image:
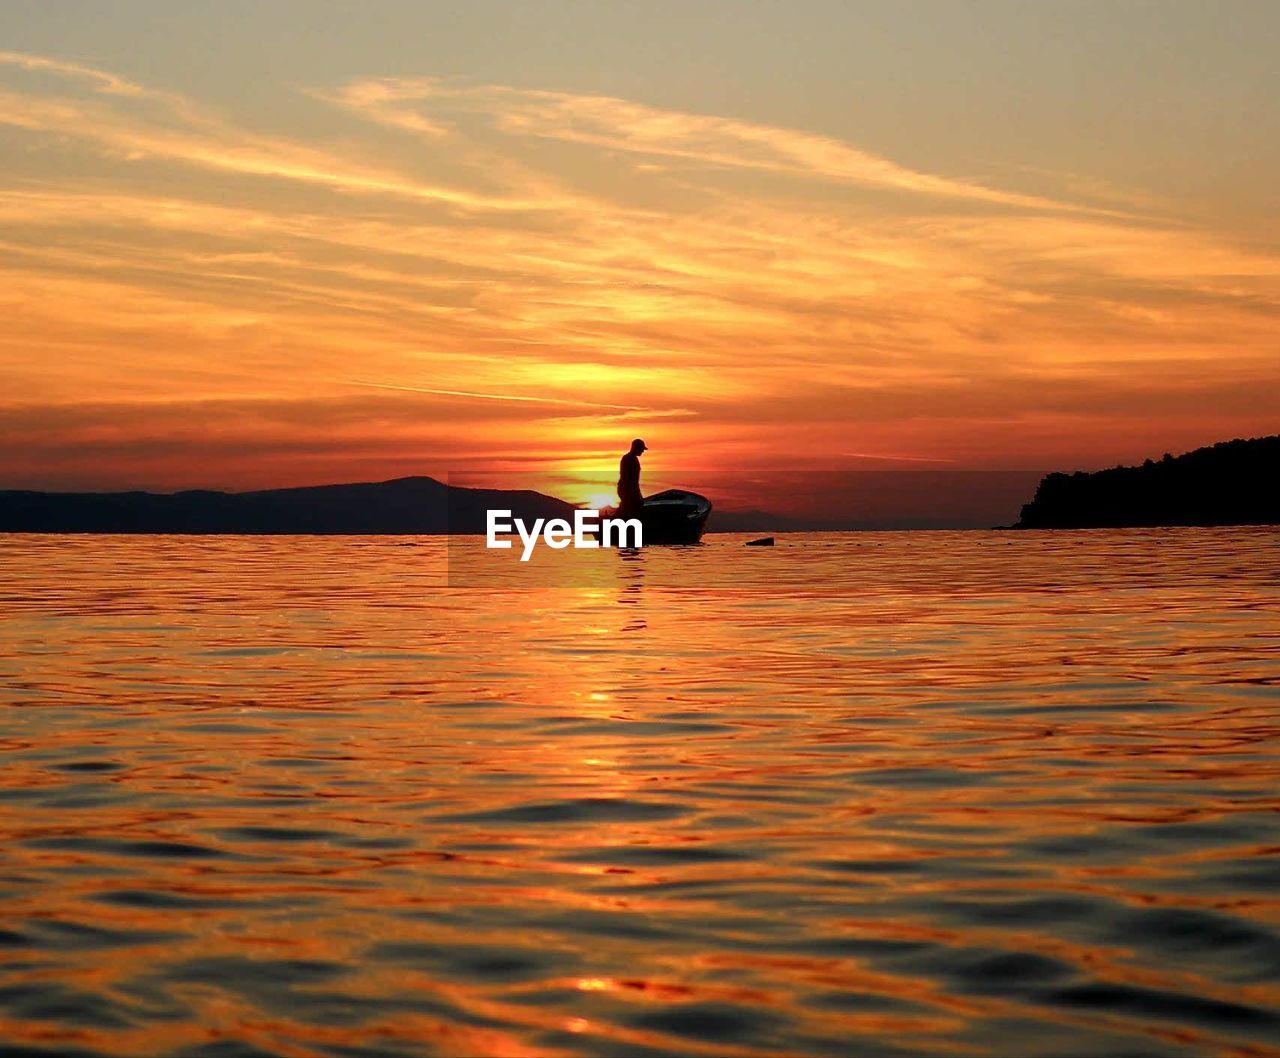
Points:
(915, 793)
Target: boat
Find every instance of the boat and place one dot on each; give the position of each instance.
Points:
(672, 517)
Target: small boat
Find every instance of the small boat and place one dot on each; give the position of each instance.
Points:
(671, 517)
(674, 517)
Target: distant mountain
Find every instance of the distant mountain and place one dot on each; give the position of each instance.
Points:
(1232, 483)
(754, 521)
(407, 505)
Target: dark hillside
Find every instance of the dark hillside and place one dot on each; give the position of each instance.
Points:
(1231, 483)
(406, 505)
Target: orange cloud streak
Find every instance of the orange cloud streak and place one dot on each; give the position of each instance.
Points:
(752, 294)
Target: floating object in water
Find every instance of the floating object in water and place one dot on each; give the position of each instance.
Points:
(764, 541)
(672, 517)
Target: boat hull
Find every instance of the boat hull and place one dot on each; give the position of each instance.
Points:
(672, 517)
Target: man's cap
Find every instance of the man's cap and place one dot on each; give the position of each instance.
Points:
(639, 443)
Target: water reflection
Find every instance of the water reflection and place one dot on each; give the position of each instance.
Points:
(891, 794)
(631, 567)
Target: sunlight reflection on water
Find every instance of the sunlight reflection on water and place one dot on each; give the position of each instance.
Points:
(880, 793)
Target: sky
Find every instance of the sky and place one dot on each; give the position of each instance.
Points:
(248, 245)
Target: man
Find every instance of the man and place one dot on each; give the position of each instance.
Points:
(630, 500)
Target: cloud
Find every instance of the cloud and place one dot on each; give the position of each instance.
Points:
(472, 395)
(495, 260)
(170, 127)
(623, 125)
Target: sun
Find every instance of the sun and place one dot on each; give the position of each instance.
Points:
(600, 500)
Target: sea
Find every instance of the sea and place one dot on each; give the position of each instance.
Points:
(918, 793)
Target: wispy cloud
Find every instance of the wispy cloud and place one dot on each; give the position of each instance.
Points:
(623, 125)
(472, 395)
(101, 80)
(754, 292)
(197, 136)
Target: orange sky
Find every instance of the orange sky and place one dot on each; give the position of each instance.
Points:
(452, 276)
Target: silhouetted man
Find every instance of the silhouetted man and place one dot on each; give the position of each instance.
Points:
(630, 500)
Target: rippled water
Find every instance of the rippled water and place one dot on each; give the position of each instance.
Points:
(941, 793)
